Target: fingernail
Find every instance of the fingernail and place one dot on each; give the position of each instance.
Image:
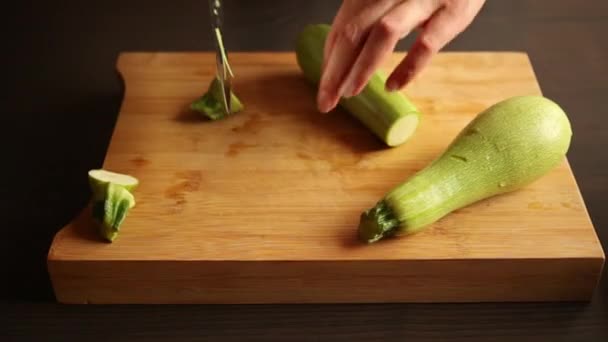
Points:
(323, 101)
(347, 90)
(392, 85)
(358, 90)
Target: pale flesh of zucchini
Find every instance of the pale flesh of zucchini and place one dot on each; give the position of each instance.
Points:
(99, 180)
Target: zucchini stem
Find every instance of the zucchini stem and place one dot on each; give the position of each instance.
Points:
(378, 222)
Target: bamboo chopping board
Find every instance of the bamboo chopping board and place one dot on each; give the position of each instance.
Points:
(263, 207)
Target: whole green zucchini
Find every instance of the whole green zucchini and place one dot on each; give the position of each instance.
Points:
(389, 115)
(506, 147)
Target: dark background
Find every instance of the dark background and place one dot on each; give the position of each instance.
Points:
(60, 99)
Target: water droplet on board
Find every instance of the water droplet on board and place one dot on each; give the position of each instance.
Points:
(535, 205)
(473, 131)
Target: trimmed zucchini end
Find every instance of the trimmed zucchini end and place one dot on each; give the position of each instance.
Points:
(108, 233)
(209, 107)
(210, 104)
(112, 201)
(377, 223)
(402, 130)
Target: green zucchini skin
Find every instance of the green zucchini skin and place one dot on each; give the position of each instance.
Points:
(391, 116)
(210, 104)
(111, 210)
(506, 147)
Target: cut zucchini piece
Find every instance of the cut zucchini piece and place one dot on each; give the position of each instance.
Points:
(391, 116)
(211, 103)
(111, 212)
(112, 200)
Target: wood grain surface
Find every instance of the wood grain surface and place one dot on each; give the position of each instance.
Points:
(263, 207)
(60, 101)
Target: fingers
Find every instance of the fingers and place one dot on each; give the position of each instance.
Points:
(345, 48)
(343, 13)
(385, 34)
(442, 27)
(365, 32)
(329, 44)
(380, 43)
(343, 45)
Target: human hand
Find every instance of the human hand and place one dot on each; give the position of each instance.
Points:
(365, 32)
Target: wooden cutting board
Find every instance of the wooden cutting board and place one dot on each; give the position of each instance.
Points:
(263, 207)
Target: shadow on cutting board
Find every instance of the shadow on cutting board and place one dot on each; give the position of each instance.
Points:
(84, 228)
(289, 94)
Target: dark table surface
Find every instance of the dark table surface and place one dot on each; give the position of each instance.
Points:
(60, 101)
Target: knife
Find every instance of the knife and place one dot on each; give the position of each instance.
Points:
(224, 73)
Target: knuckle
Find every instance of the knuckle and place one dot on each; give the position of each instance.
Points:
(428, 43)
(452, 3)
(387, 27)
(350, 33)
